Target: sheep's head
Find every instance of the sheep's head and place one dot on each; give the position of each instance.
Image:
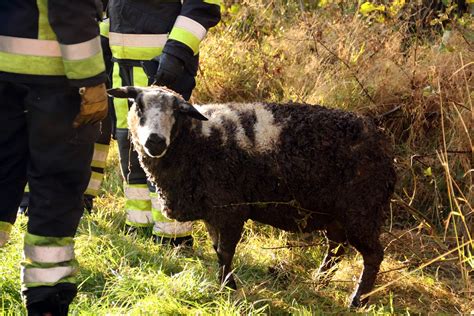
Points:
(154, 115)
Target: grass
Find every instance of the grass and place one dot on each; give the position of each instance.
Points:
(276, 271)
(421, 94)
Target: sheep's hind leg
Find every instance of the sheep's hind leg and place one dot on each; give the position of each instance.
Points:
(336, 238)
(224, 241)
(372, 253)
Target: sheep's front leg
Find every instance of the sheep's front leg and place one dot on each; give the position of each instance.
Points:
(224, 240)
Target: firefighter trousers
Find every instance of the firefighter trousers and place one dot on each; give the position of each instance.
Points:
(40, 146)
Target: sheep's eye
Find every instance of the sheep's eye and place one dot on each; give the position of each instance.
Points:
(142, 121)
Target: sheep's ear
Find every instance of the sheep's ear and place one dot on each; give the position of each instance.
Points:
(189, 110)
(125, 92)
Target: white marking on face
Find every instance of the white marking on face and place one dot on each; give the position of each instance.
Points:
(158, 120)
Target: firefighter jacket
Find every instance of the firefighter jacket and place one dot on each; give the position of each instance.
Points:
(143, 29)
(50, 41)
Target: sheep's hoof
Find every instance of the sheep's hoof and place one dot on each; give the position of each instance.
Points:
(356, 302)
(229, 283)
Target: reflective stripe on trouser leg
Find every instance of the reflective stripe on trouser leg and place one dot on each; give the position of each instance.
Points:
(101, 152)
(48, 261)
(5, 229)
(138, 205)
(164, 226)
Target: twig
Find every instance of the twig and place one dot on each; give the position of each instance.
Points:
(395, 269)
(292, 203)
(292, 246)
(395, 109)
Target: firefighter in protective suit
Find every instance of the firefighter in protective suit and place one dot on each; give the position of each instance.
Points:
(154, 42)
(52, 96)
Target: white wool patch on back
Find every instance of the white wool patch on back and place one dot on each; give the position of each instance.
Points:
(266, 131)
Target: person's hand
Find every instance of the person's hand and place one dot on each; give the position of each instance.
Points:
(170, 68)
(94, 105)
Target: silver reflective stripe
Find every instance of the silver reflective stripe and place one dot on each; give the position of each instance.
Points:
(46, 275)
(99, 155)
(173, 228)
(137, 40)
(82, 50)
(139, 217)
(29, 46)
(157, 203)
(49, 254)
(94, 184)
(134, 193)
(4, 236)
(191, 26)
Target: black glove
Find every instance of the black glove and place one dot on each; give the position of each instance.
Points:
(170, 68)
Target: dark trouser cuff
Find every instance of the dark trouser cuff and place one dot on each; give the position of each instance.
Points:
(60, 294)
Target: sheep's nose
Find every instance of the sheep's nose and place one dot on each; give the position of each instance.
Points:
(155, 144)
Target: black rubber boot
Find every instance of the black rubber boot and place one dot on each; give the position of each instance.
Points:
(52, 307)
(186, 241)
(23, 208)
(88, 202)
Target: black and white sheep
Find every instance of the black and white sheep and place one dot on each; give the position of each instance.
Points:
(297, 167)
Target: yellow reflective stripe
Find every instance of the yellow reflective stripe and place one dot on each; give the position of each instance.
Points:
(49, 254)
(44, 57)
(185, 37)
(29, 46)
(121, 111)
(31, 65)
(173, 229)
(191, 26)
(216, 2)
(159, 216)
(139, 217)
(36, 240)
(94, 183)
(99, 158)
(120, 105)
(104, 27)
(85, 68)
(139, 77)
(45, 32)
(46, 275)
(136, 46)
(82, 50)
(101, 147)
(135, 53)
